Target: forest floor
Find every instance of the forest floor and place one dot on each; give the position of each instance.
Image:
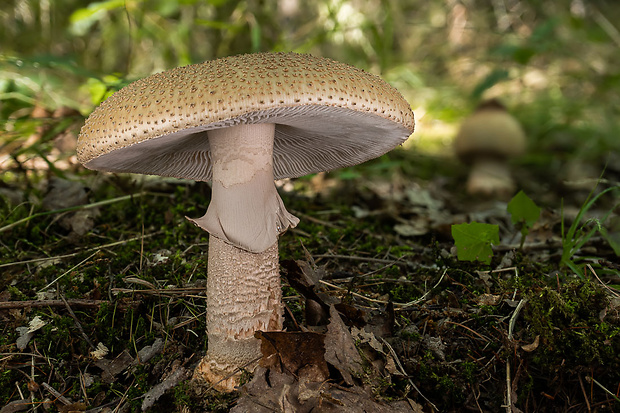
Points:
(102, 291)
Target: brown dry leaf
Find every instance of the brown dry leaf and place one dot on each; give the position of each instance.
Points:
(390, 366)
(381, 322)
(270, 391)
(542, 230)
(489, 299)
(532, 346)
(275, 388)
(412, 227)
(340, 350)
(73, 407)
(113, 367)
(81, 221)
(351, 315)
(299, 354)
(363, 336)
(17, 406)
(415, 407)
(100, 351)
(303, 277)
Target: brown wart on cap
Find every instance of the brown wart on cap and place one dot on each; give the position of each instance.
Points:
(487, 140)
(242, 122)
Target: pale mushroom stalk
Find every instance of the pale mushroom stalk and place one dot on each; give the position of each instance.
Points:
(490, 176)
(244, 219)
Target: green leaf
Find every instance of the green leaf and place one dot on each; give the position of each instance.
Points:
(473, 241)
(523, 210)
(493, 78)
(82, 19)
(613, 238)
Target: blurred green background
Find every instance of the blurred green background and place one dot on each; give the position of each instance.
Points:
(554, 64)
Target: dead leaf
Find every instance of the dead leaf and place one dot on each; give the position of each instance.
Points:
(436, 345)
(303, 278)
(73, 407)
(340, 350)
(364, 336)
(412, 228)
(62, 193)
(100, 352)
(17, 406)
(80, 222)
(271, 391)
(275, 387)
(390, 366)
(26, 333)
(35, 324)
(111, 368)
(298, 353)
(532, 346)
(158, 390)
(489, 299)
(381, 323)
(315, 313)
(350, 315)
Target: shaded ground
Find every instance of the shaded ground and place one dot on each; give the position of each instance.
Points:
(102, 307)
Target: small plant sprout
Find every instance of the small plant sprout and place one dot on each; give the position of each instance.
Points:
(578, 234)
(473, 241)
(524, 213)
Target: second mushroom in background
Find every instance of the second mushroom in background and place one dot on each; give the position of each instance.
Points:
(486, 141)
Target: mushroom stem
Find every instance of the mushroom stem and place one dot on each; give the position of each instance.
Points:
(490, 177)
(245, 217)
(243, 295)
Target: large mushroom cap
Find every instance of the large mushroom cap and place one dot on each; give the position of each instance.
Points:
(327, 115)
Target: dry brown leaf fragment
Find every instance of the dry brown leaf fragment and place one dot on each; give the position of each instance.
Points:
(532, 346)
(298, 353)
(73, 407)
(113, 367)
(340, 350)
(489, 299)
(17, 406)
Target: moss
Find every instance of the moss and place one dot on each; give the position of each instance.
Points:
(468, 371)
(572, 334)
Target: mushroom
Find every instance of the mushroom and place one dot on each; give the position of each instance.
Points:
(486, 140)
(241, 122)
